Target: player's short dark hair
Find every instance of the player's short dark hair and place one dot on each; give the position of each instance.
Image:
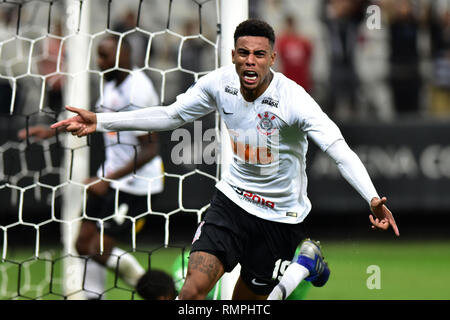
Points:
(256, 28)
(155, 284)
(124, 45)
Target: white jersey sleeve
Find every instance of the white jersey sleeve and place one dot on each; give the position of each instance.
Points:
(352, 169)
(199, 100)
(325, 133)
(146, 119)
(309, 118)
(141, 93)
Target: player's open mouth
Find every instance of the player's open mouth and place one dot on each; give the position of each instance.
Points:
(250, 77)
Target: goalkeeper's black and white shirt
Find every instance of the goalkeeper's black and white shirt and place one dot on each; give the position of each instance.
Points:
(269, 137)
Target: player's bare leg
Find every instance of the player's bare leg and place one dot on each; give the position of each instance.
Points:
(204, 270)
(88, 243)
(243, 292)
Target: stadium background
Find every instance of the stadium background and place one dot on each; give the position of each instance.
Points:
(406, 152)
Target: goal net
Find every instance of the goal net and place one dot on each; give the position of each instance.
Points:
(49, 59)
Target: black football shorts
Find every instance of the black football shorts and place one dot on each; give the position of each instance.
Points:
(103, 207)
(263, 248)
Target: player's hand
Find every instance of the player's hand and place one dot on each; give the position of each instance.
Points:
(383, 216)
(99, 188)
(84, 123)
(38, 132)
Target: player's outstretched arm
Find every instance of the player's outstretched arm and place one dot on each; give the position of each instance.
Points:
(37, 132)
(353, 170)
(383, 216)
(84, 123)
(144, 119)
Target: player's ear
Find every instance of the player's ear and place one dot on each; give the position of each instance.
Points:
(273, 56)
(232, 55)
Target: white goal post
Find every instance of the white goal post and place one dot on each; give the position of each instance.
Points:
(77, 93)
(232, 12)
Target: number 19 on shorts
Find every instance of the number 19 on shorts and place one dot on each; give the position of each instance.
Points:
(280, 268)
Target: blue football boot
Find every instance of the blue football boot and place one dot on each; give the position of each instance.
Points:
(310, 256)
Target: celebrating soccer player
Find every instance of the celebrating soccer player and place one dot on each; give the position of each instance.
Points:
(256, 215)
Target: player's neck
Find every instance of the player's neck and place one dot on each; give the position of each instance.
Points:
(251, 95)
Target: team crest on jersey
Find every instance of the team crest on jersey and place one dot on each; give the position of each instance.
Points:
(266, 123)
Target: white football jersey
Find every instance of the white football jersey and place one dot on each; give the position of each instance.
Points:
(269, 138)
(136, 91)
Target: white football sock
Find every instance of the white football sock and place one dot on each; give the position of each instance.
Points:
(130, 271)
(94, 282)
(292, 277)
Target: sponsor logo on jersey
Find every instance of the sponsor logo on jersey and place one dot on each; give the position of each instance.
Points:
(231, 90)
(271, 102)
(253, 198)
(266, 123)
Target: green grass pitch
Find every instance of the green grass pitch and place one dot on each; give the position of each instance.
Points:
(398, 270)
